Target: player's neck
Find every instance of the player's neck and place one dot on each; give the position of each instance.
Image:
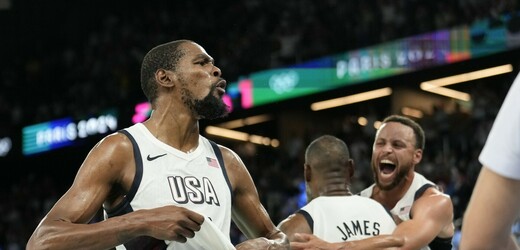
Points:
(180, 132)
(390, 197)
(335, 190)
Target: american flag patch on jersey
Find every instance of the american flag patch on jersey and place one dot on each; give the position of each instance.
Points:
(212, 162)
(404, 210)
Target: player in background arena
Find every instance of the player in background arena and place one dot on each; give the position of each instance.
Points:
(163, 185)
(332, 212)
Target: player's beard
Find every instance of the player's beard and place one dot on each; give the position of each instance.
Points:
(209, 107)
(399, 178)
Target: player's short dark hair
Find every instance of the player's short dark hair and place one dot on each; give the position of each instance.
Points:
(164, 56)
(417, 129)
(328, 150)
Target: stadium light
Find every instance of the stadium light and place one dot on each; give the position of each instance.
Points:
(246, 121)
(412, 112)
(465, 77)
(242, 136)
(437, 86)
(369, 95)
(463, 96)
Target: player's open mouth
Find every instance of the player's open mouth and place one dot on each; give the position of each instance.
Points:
(221, 87)
(386, 167)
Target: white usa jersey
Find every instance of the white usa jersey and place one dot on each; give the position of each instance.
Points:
(167, 176)
(403, 207)
(347, 218)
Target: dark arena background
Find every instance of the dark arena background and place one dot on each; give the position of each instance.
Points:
(69, 75)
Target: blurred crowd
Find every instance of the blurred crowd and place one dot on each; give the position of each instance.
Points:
(90, 61)
(88, 58)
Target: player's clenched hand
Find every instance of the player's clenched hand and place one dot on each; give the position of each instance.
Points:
(170, 222)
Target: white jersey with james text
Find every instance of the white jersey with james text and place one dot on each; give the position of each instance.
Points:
(347, 218)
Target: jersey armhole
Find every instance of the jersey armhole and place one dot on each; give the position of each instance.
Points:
(420, 192)
(124, 206)
(308, 218)
(220, 159)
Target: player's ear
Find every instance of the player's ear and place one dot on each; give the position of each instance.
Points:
(351, 168)
(165, 78)
(307, 172)
(417, 156)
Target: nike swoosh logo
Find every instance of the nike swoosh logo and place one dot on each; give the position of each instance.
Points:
(151, 158)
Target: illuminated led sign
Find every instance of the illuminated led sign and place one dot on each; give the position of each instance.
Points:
(64, 132)
(5, 146)
(375, 62)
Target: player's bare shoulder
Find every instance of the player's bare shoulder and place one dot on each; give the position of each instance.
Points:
(436, 202)
(116, 141)
(435, 193)
(235, 168)
(231, 158)
(442, 210)
(113, 153)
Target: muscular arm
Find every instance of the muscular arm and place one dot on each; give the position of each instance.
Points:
(493, 194)
(432, 217)
(248, 213)
(65, 226)
(295, 223)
